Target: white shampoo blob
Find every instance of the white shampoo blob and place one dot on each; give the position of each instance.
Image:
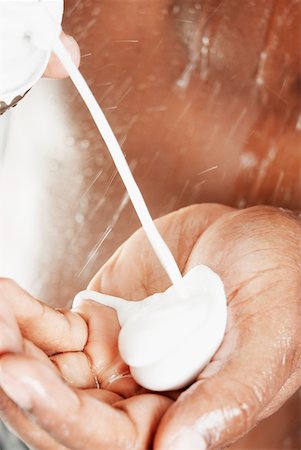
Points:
(167, 338)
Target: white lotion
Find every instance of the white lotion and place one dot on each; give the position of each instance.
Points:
(167, 339)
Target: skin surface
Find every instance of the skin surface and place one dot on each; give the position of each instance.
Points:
(233, 133)
(261, 272)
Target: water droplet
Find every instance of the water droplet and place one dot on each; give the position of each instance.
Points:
(298, 124)
(259, 81)
(205, 40)
(247, 160)
(205, 57)
(261, 68)
(176, 9)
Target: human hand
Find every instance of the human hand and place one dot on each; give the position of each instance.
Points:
(55, 68)
(257, 253)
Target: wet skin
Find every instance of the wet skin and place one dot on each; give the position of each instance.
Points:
(237, 116)
(254, 372)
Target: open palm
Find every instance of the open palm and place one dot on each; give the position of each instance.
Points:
(67, 387)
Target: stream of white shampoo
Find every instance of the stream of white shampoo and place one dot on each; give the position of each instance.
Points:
(160, 248)
(167, 338)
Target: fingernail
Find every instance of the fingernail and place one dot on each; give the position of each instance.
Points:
(15, 390)
(9, 340)
(188, 440)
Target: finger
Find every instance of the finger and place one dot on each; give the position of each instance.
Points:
(290, 387)
(77, 370)
(101, 362)
(18, 420)
(49, 329)
(218, 410)
(31, 350)
(29, 432)
(10, 336)
(104, 396)
(55, 68)
(134, 271)
(73, 418)
(102, 344)
(24, 428)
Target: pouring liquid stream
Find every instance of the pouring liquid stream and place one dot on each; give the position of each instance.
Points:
(157, 242)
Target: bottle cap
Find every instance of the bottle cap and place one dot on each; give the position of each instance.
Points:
(26, 30)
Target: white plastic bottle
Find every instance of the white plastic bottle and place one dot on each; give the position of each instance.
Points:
(24, 44)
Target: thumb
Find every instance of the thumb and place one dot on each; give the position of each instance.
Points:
(260, 349)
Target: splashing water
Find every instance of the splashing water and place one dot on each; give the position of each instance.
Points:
(159, 246)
